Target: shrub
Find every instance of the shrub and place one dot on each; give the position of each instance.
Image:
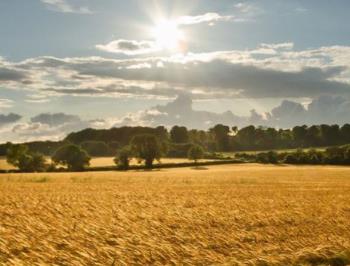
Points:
(25, 160)
(72, 156)
(196, 153)
(122, 159)
(147, 148)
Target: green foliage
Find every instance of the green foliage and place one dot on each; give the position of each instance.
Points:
(25, 160)
(179, 134)
(95, 148)
(267, 157)
(147, 148)
(72, 156)
(221, 137)
(123, 157)
(196, 153)
(179, 150)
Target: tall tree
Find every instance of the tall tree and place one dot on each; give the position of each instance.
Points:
(179, 134)
(147, 148)
(72, 156)
(221, 136)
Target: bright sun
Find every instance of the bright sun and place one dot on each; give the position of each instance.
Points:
(168, 36)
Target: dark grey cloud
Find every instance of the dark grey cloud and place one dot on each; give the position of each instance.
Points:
(220, 76)
(239, 79)
(129, 47)
(270, 71)
(9, 74)
(9, 119)
(56, 119)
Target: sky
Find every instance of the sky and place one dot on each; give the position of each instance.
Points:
(70, 64)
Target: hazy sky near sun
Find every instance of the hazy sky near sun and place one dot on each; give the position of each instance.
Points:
(101, 59)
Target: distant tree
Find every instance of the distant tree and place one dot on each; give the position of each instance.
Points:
(147, 148)
(221, 136)
(95, 148)
(72, 156)
(345, 133)
(179, 134)
(246, 137)
(299, 134)
(25, 160)
(114, 146)
(313, 136)
(267, 157)
(123, 157)
(347, 154)
(195, 153)
(290, 158)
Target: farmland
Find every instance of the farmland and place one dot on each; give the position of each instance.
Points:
(233, 215)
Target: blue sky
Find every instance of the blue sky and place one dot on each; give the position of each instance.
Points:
(111, 60)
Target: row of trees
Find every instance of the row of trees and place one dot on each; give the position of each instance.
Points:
(224, 138)
(146, 148)
(334, 155)
(217, 139)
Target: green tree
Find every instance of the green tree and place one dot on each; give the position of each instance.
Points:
(179, 134)
(95, 148)
(221, 136)
(123, 157)
(72, 156)
(196, 153)
(25, 160)
(147, 148)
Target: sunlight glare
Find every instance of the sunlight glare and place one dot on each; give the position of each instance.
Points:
(168, 36)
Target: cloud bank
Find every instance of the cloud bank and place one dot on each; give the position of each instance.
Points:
(269, 71)
(47, 126)
(65, 6)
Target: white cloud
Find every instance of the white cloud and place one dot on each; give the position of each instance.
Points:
(270, 70)
(205, 18)
(46, 126)
(129, 47)
(65, 7)
(5, 103)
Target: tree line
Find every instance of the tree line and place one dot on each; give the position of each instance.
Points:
(337, 155)
(146, 148)
(127, 142)
(217, 139)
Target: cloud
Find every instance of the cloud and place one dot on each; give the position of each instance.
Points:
(65, 6)
(179, 112)
(277, 46)
(269, 71)
(5, 103)
(10, 74)
(129, 47)
(322, 110)
(325, 109)
(9, 119)
(46, 126)
(55, 119)
(205, 18)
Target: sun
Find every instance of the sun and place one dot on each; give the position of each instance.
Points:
(168, 36)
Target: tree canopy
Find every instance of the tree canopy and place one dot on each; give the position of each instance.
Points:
(72, 156)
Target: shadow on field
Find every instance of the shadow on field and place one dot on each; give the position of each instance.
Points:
(200, 168)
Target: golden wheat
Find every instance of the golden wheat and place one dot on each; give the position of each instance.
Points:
(231, 215)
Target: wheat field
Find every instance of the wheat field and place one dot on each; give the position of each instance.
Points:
(108, 161)
(223, 215)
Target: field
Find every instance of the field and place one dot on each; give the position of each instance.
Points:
(227, 215)
(106, 161)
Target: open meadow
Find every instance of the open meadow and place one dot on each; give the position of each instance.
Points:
(231, 215)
